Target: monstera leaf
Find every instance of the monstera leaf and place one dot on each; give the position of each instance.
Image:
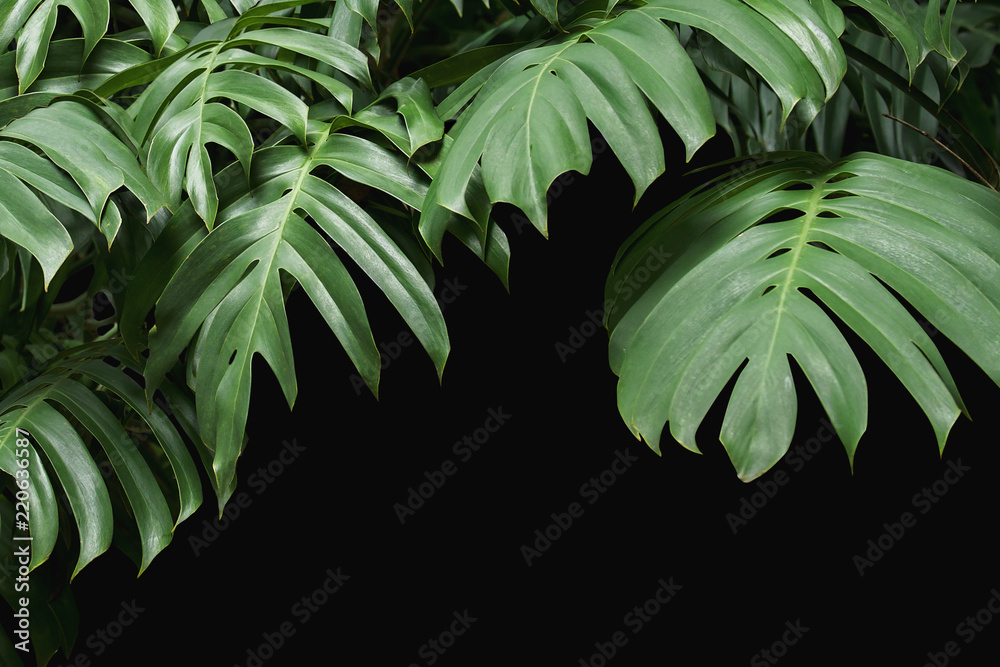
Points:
(528, 121)
(225, 299)
(175, 118)
(61, 458)
(221, 153)
(919, 29)
(33, 22)
(81, 139)
(777, 248)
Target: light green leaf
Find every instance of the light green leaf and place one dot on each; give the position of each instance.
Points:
(855, 223)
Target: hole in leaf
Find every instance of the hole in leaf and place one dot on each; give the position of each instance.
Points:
(162, 403)
(232, 358)
(103, 308)
(783, 215)
(840, 177)
(135, 376)
(75, 285)
(839, 194)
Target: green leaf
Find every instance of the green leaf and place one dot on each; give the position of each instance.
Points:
(182, 233)
(642, 44)
(917, 29)
(816, 39)
(160, 18)
(552, 90)
(367, 163)
(479, 233)
(53, 614)
(461, 66)
(79, 142)
(29, 408)
(547, 8)
(414, 104)
(178, 149)
(228, 292)
(323, 48)
(758, 42)
(63, 71)
(863, 220)
(261, 94)
(33, 42)
(368, 9)
(74, 468)
(145, 499)
(182, 473)
(529, 125)
(12, 17)
(407, 8)
(174, 116)
(27, 222)
(43, 517)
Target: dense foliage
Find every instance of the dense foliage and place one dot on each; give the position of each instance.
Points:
(170, 173)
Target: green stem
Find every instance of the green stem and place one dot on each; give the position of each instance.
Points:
(66, 307)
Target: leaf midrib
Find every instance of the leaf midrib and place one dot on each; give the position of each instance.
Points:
(291, 196)
(808, 215)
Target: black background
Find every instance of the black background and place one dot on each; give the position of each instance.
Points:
(664, 518)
